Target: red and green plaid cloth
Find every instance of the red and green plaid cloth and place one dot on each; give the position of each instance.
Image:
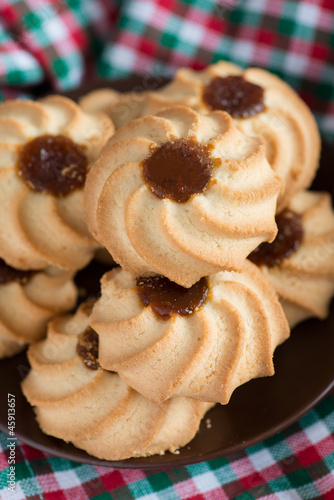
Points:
(296, 464)
(64, 42)
(59, 44)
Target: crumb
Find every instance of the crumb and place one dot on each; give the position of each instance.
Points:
(208, 423)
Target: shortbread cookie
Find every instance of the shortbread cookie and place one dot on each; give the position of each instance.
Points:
(201, 342)
(77, 401)
(300, 262)
(120, 107)
(46, 149)
(28, 300)
(182, 195)
(261, 104)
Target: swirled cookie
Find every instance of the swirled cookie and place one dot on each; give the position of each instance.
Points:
(28, 300)
(300, 262)
(120, 107)
(261, 104)
(77, 401)
(201, 342)
(182, 195)
(46, 149)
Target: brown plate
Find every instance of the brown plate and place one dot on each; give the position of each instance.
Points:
(257, 410)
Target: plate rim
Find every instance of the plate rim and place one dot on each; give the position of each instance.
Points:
(129, 463)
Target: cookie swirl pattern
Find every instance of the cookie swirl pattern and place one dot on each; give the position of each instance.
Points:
(95, 409)
(229, 340)
(305, 280)
(292, 141)
(40, 297)
(40, 228)
(214, 230)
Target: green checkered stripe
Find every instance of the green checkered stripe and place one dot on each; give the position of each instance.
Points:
(297, 463)
(55, 39)
(64, 41)
(294, 39)
(18, 65)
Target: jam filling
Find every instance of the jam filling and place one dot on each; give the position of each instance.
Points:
(178, 169)
(167, 298)
(54, 164)
(88, 348)
(8, 274)
(287, 241)
(235, 95)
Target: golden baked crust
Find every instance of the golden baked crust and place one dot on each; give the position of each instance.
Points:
(305, 280)
(39, 229)
(25, 308)
(206, 355)
(95, 409)
(292, 140)
(214, 230)
(120, 107)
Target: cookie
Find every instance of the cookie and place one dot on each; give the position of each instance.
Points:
(182, 195)
(76, 400)
(46, 149)
(203, 342)
(300, 262)
(121, 107)
(262, 105)
(28, 300)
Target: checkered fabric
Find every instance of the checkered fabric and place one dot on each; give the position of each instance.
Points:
(294, 39)
(296, 464)
(57, 40)
(58, 44)
(62, 41)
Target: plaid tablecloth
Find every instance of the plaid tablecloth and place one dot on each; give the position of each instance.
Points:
(292, 465)
(59, 44)
(63, 42)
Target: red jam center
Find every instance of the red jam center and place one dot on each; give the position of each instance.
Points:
(178, 169)
(235, 95)
(167, 298)
(287, 241)
(54, 164)
(8, 274)
(88, 348)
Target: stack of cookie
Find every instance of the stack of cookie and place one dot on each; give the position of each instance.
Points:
(200, 197)
(46, 148)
